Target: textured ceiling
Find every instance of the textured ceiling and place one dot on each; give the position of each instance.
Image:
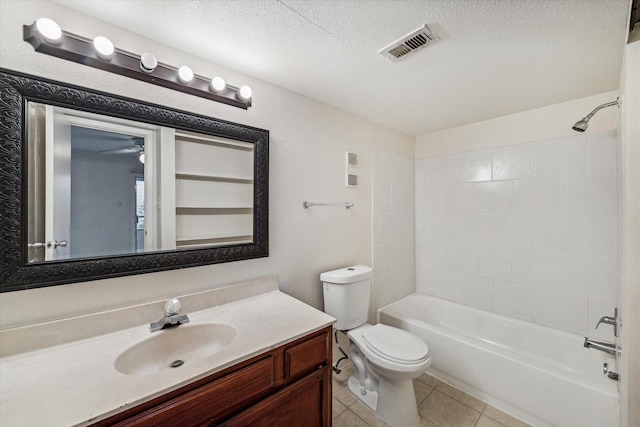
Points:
(495, 57)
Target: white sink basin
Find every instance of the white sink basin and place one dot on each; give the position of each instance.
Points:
(172, 348)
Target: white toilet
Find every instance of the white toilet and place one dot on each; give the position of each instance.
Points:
(385, 358)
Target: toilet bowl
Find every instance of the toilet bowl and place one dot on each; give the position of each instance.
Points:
(386, 359)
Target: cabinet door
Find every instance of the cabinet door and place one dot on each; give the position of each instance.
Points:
(305, 403)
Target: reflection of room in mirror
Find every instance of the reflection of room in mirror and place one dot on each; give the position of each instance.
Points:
(95, 175)
(85, 178)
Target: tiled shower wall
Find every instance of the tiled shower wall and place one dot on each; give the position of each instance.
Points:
(528, 231)
(393, 228)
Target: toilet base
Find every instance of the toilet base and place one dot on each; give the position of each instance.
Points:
(370, 398)
(398, 407)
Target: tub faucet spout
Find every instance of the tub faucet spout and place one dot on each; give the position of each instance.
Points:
(600, 345)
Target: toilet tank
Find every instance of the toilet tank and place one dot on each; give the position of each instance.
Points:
(346, 295)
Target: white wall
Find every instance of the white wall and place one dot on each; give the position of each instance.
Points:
(528, 229)
(307, 151)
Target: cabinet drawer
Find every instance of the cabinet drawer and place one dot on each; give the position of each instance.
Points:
(306, 356)
(214, 401)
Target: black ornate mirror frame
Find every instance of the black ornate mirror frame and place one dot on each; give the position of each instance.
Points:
(16, 90)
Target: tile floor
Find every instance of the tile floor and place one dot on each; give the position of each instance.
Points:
(439, 405)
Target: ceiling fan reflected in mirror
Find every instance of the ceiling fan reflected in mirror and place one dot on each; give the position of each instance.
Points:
(137, 147)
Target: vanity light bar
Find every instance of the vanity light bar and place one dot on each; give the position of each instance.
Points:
(143, 67)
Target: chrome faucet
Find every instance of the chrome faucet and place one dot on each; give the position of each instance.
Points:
(171, 317)
(610, 321)
(600, 345)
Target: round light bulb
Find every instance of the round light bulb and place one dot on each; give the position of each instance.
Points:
(104, 47)
(49, 30)
(218, 83)
(148, 62)
(141, 158)
(185, 73)
(245, 92)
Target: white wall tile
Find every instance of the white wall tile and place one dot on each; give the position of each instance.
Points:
(442, 227)
(517, 161)
(474, 166)
(561, 310)
(377, 235)
(459, 258)
(422, 278)
(422, 172)
(588, 275)
(382, 197)
(591, 194)
(429, 253)
(396, 216)
(601, 148)
(428, 199)
(536, 268)
(564, 156)
(514, 231)
(599, 307)
(539, 239)
(475, 229)
(536, 195)
(494, 264)
(514, 300)
(441, 170)
(382, 260)
(475, 291)
(457, 198)
(492, 196)
(561, 233)
(442, 283)
(602, 235)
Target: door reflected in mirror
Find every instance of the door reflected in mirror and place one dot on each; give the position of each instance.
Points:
(102, 186)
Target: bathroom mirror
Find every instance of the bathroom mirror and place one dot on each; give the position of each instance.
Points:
(94, 185)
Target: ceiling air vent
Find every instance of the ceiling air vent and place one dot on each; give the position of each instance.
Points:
(408, 44)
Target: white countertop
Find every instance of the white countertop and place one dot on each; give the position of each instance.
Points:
(76, 383)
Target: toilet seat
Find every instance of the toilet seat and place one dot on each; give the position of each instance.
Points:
(395, 345)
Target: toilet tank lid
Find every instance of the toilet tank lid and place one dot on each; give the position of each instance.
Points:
(351, 274)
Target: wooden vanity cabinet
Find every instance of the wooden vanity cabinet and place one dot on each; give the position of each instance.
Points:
(287, 386)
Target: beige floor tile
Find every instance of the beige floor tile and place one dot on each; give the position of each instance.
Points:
(426, 423)
(336, 407)
(343, 394)
(422, 390)
(340, 386)
(503, 418)
(485, 421)
(447, 412)
(348, 419)
(364, 412)
(462, 396)
(430, 380)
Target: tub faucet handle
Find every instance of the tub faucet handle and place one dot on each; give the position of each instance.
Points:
(613, 321)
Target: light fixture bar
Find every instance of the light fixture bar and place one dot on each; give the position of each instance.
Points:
(81, 50)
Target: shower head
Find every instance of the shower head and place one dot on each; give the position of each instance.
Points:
(582, 125)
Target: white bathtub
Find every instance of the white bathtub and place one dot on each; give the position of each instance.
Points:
(538, 374)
